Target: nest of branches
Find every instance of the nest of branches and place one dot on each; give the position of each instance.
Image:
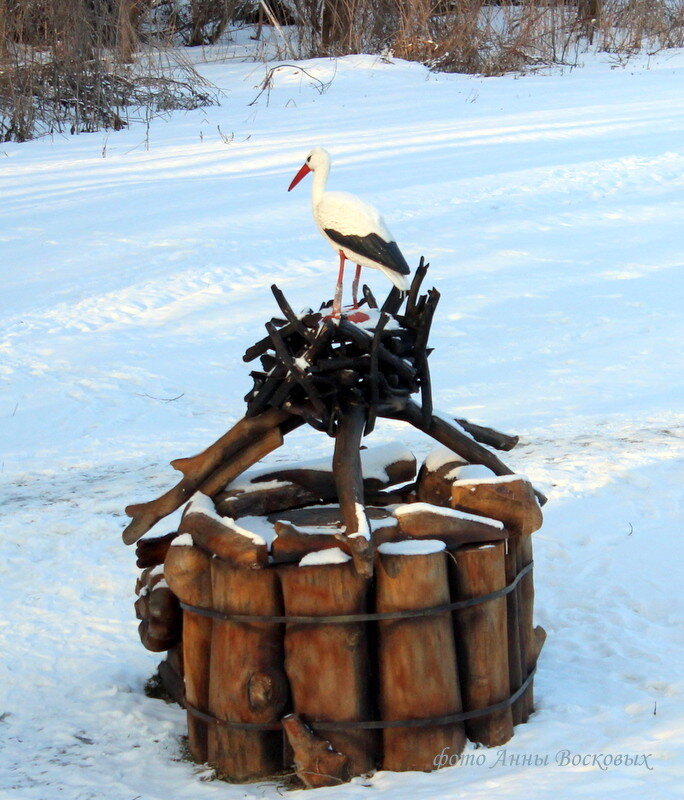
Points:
(315, 366)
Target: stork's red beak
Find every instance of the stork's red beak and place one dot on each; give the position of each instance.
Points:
(305, 170)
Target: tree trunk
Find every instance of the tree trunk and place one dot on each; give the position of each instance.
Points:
(247, 682)
(482, 641)
(187, 572)
(417, 659)
(327, 664)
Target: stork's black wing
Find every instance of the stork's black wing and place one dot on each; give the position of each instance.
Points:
(374, 247)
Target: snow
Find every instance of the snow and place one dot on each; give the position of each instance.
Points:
(333, 555)
(183, 540)
(201, 504)
(412, 547)
(420, 508)
(374, 461)
(470, 472)
(492, 479)
(135, 272)
(441, 456)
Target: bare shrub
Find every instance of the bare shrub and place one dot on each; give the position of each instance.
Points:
(67, 66)
(487, 36)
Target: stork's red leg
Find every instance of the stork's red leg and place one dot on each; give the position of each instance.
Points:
(355, 286)
(337, 302)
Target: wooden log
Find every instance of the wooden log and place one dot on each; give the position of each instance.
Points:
(261, 502)
(152, 552)
(245, 458)
(292, 544)
(482, 641)
(488, 436)
(327, 665)
(170, 674)
(515, 662)
(247, 682)
(454, 528)
(196, 470)
(187, 571)
(381, 468)
(416, 657)
(149, 642)
(316, 762)
(435, 480)
(347, 472)
(509, 499)
(528, 641)
(164, 616)
(440, 429)
(327, 516)
(223, 538)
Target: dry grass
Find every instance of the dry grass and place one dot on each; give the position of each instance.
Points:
(68, 66)
(490, 38)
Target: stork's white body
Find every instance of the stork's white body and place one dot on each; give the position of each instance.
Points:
(354, 229)
(348, 214)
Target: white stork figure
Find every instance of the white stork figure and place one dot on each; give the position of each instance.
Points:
(352, 228)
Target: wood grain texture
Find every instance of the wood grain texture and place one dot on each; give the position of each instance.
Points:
(328, 664)
(482, 640)
(247, 682)
(418, 675)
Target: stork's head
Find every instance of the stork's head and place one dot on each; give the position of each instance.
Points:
(318, 158)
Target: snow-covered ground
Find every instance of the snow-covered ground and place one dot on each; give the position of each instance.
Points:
(134, 271)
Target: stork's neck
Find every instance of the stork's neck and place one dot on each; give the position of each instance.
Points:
(320, 181)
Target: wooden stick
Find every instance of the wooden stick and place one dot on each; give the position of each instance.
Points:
(370, 297)
(489, 436)
(187, 571)
(292, 318)
(418, 277)
(197, 469)
(327, 664)
(349, 482)
(316, 762)
(247, 682)
(417, 661)
(482, 641)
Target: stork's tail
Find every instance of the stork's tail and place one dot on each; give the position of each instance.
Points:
(398, 280)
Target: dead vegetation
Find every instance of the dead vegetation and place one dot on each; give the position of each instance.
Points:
(74, 66)
(489, 37)
(71, 66)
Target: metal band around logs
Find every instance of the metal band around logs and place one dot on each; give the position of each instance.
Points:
(447, 719)
(378, 616)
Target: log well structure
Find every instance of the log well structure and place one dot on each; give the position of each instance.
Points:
(331, 618)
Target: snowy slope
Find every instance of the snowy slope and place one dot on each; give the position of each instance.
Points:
(134, 271)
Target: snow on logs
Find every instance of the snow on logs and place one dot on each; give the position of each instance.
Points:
(266, 670)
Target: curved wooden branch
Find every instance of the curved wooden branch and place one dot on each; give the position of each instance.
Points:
(447, 434)
(237, 446)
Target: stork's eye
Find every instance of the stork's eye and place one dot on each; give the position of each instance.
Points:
(308, 159)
